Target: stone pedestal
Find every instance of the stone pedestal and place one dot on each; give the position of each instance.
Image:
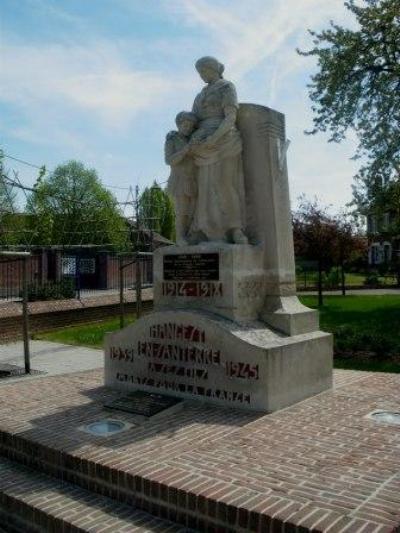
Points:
(226, 279)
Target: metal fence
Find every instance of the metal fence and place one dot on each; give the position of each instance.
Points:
(53, 274)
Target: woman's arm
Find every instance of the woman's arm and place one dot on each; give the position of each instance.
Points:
(229, 105)
(226, 125)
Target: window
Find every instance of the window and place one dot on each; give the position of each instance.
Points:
(68, 266)
(87, 265)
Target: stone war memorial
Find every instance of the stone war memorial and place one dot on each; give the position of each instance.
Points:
(218, 413)
(227, 326)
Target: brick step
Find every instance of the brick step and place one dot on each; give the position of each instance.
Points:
(34, 502)
(196, 502)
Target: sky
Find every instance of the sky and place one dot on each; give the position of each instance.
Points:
(101, 81)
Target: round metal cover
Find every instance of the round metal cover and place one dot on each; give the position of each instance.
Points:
(105, 427)
(389, 417)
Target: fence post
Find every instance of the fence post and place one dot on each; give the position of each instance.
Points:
(78, 274)
(121, 293)
(138, 287)
(25, 315)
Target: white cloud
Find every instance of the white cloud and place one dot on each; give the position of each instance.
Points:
(256, 39)
(248, 33)
(93, 79)
(69, 94)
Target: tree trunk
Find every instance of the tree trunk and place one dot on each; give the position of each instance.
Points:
(320, 298)
(343, 278)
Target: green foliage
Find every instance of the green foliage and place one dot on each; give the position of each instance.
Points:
(357, 86)
(52, 290)
(331, 279)
(372, 280)
(368, 324)
(156, 211)
(91, 335)
(349, 339)
(72, 207)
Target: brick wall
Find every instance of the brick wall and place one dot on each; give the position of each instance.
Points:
(11, 274)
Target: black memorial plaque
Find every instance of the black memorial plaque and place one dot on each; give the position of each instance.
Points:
(143, 403)
(191, 267)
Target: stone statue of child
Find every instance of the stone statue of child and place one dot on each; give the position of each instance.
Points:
(182, 184)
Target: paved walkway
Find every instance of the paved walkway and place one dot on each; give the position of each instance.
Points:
(51, 357)
(362, 292)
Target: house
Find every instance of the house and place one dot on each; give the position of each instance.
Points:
(383, 245)
(92, 267)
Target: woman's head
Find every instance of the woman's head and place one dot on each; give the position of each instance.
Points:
(186, 122)
(209, 68)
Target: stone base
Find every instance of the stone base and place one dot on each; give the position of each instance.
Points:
(194, 354)
(288, 315)
(230, 281)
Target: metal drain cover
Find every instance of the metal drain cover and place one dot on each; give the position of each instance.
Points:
(105, 428)
(143, 403)
(388, 417)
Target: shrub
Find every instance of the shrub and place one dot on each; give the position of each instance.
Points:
(52, 290)
(383, 269)
(372, 279)
(331, 279)
(351, 339)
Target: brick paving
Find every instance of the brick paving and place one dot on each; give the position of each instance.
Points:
(320, 465)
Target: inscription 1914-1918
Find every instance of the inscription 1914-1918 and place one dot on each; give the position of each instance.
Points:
(191, 267)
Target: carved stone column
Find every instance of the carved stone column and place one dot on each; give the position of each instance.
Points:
(269, 223)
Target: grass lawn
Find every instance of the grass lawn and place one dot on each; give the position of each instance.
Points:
(90, 335)
(362, 324)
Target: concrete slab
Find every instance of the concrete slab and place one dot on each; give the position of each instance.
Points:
(52, 357)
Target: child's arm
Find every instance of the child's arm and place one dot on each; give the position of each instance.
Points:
(172, 155)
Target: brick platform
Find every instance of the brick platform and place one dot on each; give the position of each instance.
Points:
(320, 465)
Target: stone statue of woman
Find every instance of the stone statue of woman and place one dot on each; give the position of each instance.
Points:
(216, 148)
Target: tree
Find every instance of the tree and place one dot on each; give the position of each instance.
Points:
(8, 209)
(314, 235)
(156, 211)
(357, 86)
(350, 245)
(72, 207)
(326, 239)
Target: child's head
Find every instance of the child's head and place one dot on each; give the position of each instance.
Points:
(186, 122)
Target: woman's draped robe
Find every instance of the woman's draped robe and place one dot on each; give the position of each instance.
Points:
(219, 169)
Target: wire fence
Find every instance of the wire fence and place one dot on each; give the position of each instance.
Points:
(59, 274)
